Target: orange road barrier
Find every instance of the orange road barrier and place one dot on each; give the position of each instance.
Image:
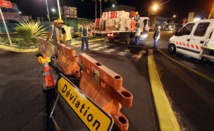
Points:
(104, 87)
(67, 61)
(49, 80)
(45, 48)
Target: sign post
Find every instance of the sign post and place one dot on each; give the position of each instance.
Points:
(6, 4)
(94, 118)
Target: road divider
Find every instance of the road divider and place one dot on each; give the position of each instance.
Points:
(104, 87)
(67, 61)
(67, 58)
(44, 47)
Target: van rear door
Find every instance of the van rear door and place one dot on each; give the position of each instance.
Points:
(197, 40)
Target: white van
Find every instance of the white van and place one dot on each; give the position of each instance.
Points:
(192, 38)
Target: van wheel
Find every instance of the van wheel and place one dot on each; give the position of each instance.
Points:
(172, 49)
(203, 59)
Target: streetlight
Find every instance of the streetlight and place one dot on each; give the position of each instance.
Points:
(155, 7)
(53, 10)
(174, 16)
(113, 5)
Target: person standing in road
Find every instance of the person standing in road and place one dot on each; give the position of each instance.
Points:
(53, 32)
(84, 35)
(156, 36)
(137, 35)
(57, 33)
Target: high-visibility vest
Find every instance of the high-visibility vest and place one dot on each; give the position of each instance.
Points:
(138, 32)
(68, 32)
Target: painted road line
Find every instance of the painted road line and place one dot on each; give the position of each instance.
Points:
(94, 45)
(166, 116)
(101, 47)
(183, 65)
(111, 50)
(122, 53)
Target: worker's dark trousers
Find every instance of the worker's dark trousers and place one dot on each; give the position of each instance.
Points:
(84, 41)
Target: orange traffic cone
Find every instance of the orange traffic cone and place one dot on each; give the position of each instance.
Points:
(49, 80)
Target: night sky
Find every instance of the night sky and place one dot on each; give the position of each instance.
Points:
(85, 8)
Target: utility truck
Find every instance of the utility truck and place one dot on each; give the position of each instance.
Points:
(195, 39)
(119, 26)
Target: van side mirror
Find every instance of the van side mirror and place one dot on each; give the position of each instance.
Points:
(177, 33)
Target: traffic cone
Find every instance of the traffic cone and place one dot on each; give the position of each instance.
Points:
(49, 80)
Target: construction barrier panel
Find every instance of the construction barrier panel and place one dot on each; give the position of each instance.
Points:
(45, 48)
(104, 87)
(67, 61)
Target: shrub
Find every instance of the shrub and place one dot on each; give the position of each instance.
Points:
(24, 32)
(34, 39)
(28, 32)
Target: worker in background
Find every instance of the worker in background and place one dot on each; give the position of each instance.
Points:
(84, 35)
(68, 39)
(137, 34)
(62, 35)
(58, 35)
(53, 32)
(137, 17)
(156, 36)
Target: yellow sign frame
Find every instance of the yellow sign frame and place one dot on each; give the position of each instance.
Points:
(90, 113)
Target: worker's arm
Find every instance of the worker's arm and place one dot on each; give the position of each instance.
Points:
(50, 31)
(49, 35)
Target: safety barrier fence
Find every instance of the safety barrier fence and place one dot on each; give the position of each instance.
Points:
(67, 61)
(102, 85)
(67, 58)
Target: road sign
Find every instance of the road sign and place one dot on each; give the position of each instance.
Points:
(90, 113)
(6, 4)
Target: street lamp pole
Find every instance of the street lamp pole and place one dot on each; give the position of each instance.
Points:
(59, 11)
(48, 14)
(95, 8)
(100, 8)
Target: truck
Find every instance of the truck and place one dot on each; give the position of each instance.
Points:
(119, 26)
(195, 39)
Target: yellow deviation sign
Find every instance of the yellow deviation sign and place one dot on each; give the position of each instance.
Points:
(91, 114)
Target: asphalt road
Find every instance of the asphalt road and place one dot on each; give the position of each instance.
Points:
(24, 105)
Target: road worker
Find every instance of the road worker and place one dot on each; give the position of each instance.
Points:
(156, 36)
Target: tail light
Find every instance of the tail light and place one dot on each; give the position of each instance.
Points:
(110, 35)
